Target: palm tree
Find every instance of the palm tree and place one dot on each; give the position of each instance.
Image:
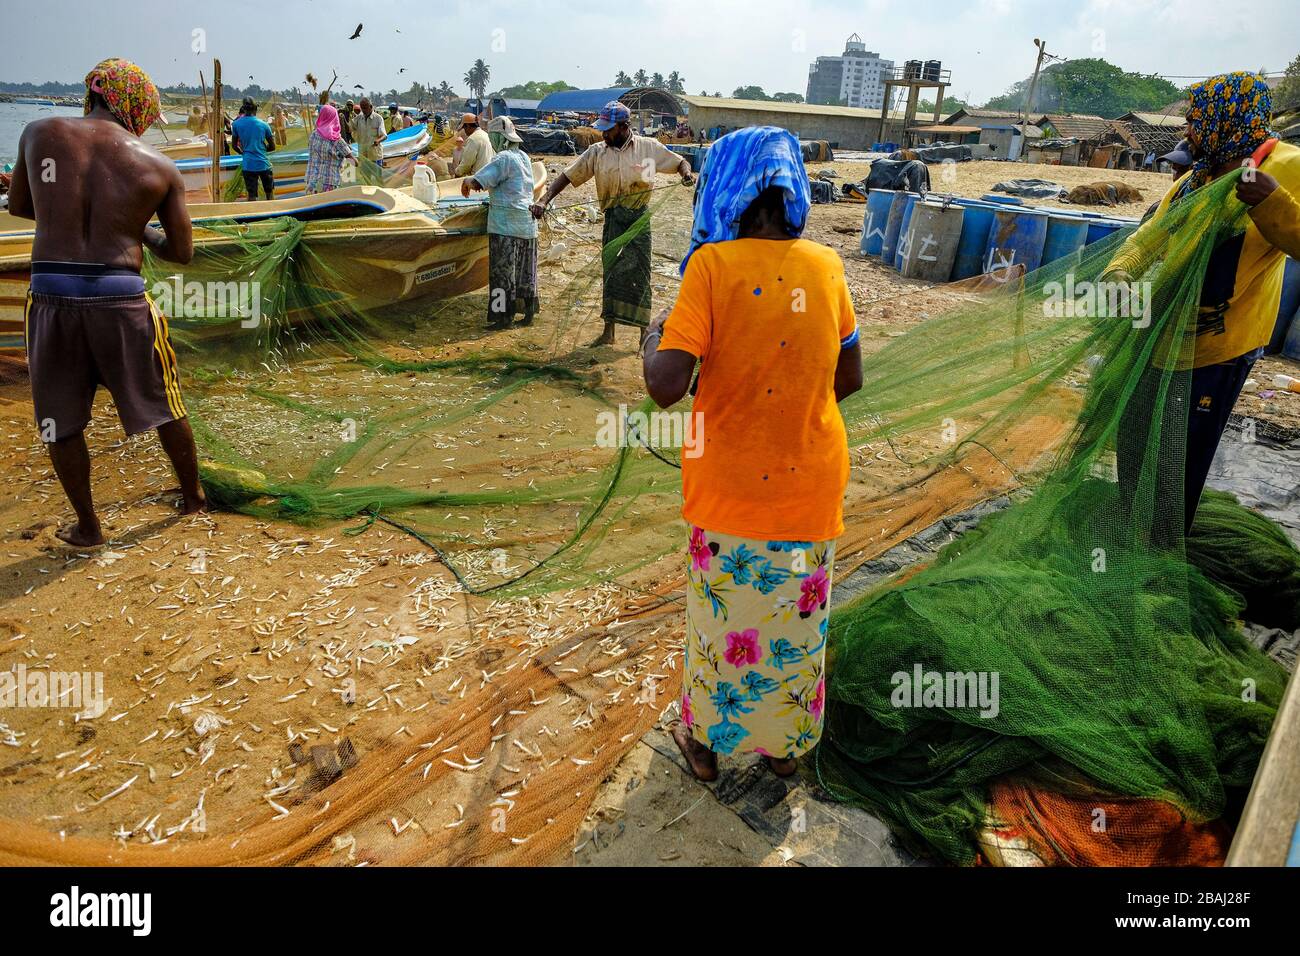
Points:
(445, 92)
(640, 78)
(657, 81)
(477, 79)
(675, 83)
(622, 79)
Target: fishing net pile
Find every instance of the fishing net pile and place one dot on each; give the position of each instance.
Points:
(530, 473)
(1123, 679)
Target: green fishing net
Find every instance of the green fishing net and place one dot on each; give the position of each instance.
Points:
(1115, 658)
(312, 405)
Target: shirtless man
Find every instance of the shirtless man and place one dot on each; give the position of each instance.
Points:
(92, 186)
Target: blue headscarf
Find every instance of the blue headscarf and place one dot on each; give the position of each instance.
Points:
(737, 168)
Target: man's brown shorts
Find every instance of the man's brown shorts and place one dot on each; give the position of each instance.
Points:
(74, 345)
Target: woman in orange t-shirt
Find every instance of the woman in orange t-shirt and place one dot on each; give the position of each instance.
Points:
(769, 317)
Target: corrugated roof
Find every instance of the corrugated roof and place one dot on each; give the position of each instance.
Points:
(805, 109)
(989, 114)
(592, 101)
(581, 100)
(1073, 125)
(945, 128)
(1156, 119)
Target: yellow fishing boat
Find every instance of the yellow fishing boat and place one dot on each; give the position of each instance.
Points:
(376, 247)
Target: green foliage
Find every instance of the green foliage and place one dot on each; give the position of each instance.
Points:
(1089, 86)
(951, 104)
(533, 90)
(1286, 96)
(477, 77)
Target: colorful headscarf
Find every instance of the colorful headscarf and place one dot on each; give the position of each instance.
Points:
(1230, 115)
(737, 168)
(327, 122)
(128, 91)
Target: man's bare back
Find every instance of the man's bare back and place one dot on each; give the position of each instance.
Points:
(92, 188)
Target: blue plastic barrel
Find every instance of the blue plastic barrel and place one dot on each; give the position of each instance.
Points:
(1102, 229)
(1016, 238)
(1066, 234)
(974, 239)
(1291, 345)
(889, 244)
(904, 243)
(1288, 306)
(874, 221)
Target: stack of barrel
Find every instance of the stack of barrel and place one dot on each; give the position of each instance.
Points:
(941, 238)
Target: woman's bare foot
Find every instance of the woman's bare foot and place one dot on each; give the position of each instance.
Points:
(80, 535)
(703, 761)
(782, 767)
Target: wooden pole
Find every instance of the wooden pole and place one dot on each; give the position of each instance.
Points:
(218, 134)
(1029, 100)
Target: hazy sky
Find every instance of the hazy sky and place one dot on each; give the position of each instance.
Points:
(716, 44)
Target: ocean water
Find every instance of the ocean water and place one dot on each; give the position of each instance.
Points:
(14, 116)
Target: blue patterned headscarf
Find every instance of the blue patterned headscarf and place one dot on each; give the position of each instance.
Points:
(737, 168)
(1230, 115)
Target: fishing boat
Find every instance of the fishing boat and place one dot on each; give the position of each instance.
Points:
(34, 101)
(290, 168)
(196, 147)
(375, 247)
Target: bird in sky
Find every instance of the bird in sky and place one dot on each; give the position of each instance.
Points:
(358, 32)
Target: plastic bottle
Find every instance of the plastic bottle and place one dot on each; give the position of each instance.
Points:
(423, 183)
(1286, 382)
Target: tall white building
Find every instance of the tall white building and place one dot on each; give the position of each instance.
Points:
(855, 78)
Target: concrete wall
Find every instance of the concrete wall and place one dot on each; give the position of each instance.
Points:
(850, 132)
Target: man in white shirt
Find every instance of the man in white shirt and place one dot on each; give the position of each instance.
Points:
(477, 151)
(624, 167)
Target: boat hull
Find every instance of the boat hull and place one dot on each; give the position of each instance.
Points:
(401, 251)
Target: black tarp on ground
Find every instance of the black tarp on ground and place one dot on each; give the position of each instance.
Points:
(909, 174)
(1031, 188)
(816, 151)
(938, 154)
(555, 142)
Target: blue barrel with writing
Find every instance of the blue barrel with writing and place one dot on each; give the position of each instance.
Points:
(889, 244)
(874, 221)
(1016, 238)
(1099, 229)
(904, 236)
(1066, 234)
(974, 239)
(1287, 307)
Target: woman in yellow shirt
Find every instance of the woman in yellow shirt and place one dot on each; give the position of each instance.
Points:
(1228, 126)
(769, 317)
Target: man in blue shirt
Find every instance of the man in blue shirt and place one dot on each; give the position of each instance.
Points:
(254, 139)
